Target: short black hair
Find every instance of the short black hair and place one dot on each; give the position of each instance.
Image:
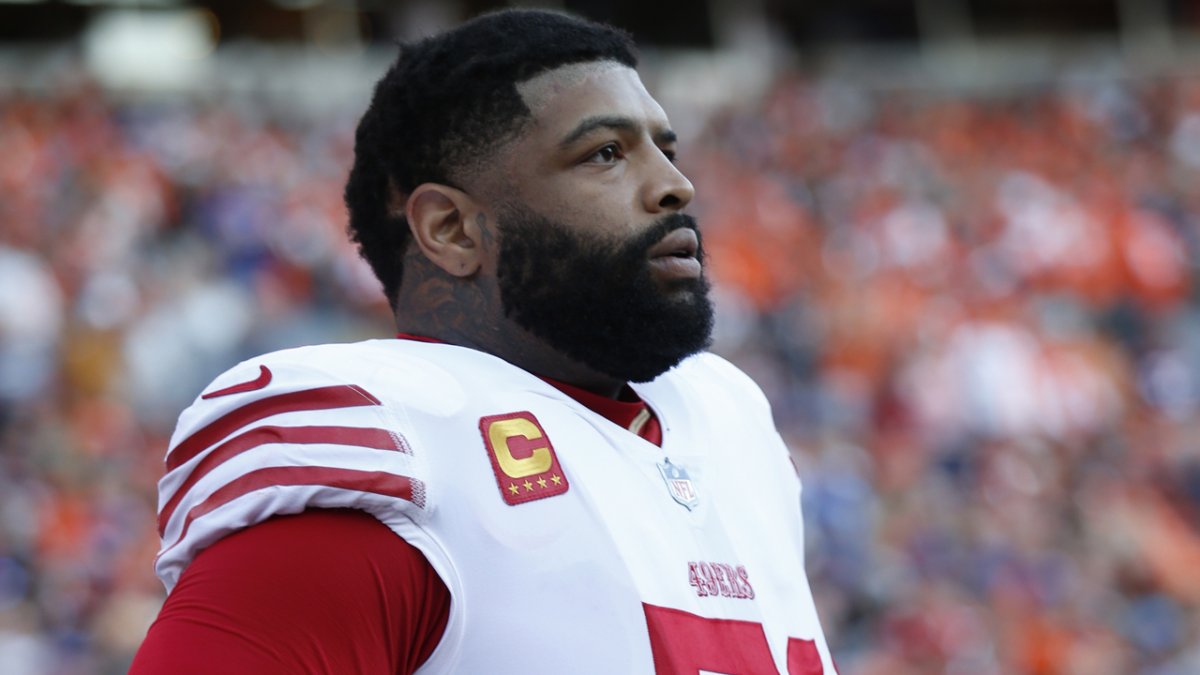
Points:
(449, 100)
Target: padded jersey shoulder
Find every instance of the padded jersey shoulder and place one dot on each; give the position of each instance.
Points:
(395, 372)
(719, 387)
(708, 370)
(310, 427)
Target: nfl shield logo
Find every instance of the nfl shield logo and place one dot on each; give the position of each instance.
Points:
(678, 484)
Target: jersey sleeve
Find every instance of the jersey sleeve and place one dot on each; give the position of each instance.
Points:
(275, 436)
(325, 591)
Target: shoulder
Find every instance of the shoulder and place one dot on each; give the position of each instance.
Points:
(343, 377)
(308, 427)
(719, 390)
(714, 375)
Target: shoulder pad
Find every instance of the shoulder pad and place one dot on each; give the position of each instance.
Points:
(715, 369)
(273, 436)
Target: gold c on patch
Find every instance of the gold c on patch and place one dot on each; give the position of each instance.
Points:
(522, 457)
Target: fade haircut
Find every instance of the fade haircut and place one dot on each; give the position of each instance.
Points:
(446, 104)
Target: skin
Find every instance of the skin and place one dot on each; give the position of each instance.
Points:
(596, 155)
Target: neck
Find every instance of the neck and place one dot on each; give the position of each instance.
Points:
(467, 312)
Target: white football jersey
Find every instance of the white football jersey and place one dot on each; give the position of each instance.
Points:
(568, 543)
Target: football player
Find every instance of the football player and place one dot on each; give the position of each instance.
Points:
(544, 472)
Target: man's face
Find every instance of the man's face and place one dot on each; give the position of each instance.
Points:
(596, 257)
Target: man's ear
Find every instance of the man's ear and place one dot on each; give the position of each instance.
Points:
(440, 218)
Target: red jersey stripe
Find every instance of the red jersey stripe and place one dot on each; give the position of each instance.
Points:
(375, 482)
(379, 439)
(321, 398)
(263, 379)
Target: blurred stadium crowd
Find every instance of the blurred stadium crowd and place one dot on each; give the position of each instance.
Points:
(974, 316)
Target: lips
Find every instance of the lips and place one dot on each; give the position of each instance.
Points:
(681, 243)
(674, 257)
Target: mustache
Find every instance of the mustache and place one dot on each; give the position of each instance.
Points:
(660, 228)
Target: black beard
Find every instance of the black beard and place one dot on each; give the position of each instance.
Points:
(596, 300)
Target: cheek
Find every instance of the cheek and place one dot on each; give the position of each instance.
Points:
(591, 199)
(606, 207)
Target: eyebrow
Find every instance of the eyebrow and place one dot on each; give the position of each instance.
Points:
(615, 122)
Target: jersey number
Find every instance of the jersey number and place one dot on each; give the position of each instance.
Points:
(687, 644)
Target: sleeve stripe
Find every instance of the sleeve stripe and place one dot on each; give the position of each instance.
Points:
(376, 482)
(321, 398)
(379, 439)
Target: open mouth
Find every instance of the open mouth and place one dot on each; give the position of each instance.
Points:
(675, 256)
(682, 243)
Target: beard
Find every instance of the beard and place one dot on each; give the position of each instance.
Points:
(595, 299)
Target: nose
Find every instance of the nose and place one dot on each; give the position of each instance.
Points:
(667, 189)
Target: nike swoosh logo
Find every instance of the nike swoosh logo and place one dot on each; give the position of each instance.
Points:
(263, 379)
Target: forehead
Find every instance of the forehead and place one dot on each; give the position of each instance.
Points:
(559, 99)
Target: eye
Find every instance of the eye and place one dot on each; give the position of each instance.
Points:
(606, 155)
(670, 154)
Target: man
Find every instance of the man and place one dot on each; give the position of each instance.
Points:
(543, 473)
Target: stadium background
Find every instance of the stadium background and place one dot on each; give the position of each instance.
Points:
(955, 241)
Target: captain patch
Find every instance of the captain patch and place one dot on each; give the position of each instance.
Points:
(522, 457)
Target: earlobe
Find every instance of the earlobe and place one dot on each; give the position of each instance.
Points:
(438, 216)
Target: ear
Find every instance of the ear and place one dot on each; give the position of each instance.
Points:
(442, 224)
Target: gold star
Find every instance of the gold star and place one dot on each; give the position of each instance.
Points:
(557, 479)
(514, 489)
(529, 486)
(542, 482)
